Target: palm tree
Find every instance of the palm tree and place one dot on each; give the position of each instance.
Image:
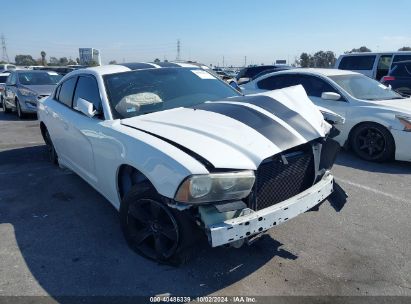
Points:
(43, 58)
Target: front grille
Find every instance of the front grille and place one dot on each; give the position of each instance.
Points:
(283, 176)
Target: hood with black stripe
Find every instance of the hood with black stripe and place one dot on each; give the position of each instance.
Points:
(238, 132)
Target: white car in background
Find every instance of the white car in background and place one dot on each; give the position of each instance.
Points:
(3, 79)
(176, 150)
(377, 120)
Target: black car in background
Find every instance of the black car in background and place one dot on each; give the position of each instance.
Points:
(399, 77)
(247, 74)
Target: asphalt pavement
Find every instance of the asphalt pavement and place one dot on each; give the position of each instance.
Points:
(58, 237)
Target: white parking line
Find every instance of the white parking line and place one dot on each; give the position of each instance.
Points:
(376, 191)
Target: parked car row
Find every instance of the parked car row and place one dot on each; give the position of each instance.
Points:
(23, 89)
(378, 120)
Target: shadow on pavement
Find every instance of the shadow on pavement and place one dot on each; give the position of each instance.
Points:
(70, 239)
(13, 116)
(348, 159)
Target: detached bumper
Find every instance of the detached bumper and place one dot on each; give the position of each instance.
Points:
(258, 221)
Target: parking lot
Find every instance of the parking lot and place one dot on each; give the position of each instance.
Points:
(59, 237)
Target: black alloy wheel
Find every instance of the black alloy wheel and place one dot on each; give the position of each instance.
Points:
(20, 113)
(373, 142)
(153, 229)
(50, 148)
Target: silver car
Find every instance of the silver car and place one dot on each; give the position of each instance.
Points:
(24, 88)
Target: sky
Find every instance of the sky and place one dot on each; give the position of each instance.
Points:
(210, 31)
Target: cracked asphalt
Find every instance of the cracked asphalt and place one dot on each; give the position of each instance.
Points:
(59, 237)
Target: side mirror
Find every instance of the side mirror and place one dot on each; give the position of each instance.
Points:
(330, 96)
(85, 107)
(235, 86)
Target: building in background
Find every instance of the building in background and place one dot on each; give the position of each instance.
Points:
(89, 56)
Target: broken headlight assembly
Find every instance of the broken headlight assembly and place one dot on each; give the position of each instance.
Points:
(405, 121)
(215, 187)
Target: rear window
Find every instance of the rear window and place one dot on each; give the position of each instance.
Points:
(357, 62)
(401, 58)
(401, 70)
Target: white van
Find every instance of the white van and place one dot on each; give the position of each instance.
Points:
(7, 67)
(374, 65)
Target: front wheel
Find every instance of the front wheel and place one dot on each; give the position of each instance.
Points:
(154, 230)
(373, 142)
(20, 113)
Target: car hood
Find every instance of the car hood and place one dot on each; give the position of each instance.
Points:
(238, 132)
(41, 89)
(399, 105)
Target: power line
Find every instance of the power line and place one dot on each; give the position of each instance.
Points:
(4, 57)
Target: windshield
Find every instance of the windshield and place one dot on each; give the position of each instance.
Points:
(35, 78)
(140, 92)
(365, 88)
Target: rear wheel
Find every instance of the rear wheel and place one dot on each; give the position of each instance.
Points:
(5, 109)
(154, 230)
(373, 142)
(50, 148)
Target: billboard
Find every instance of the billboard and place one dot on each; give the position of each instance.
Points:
(88, 55)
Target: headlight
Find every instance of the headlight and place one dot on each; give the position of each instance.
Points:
(405, 121)
(215, 187)
(27, 92)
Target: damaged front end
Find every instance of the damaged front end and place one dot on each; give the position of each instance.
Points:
(286, 184)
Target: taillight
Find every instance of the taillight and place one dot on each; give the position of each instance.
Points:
(388, 78)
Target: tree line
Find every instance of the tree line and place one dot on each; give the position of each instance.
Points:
(27, 60)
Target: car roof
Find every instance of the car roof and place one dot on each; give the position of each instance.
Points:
(376, 53)
(30, 71)
(132, 66)
(317, 71)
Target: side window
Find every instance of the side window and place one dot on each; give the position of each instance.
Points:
(275, 82)
(383, 66)
(87, 89)
(66, 91)
(12, 79)
(57, 92)
(315, 86)
(401, 58)
(365, 62)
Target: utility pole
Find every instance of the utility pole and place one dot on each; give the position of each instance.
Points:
(178, 58)
(223, 61)
(245, 61)
(4, 57)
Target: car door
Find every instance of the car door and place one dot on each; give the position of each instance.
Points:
(57, 109)
(82, 130)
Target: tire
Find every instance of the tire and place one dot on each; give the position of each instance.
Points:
(54, 159)
(155, 231)
(373, 142)
(20, 113)
(5, 108)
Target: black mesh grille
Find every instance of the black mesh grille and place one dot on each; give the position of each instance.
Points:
(277, 181)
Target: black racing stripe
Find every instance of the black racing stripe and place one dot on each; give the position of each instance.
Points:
(168, 65)
(271, 129)
(294, 119)
(137, 65)
(208, 165)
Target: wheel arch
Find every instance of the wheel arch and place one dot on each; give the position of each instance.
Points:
(129, 176)
(350, 134)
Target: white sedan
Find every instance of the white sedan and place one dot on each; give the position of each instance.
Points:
(378, 120)
(176, 151)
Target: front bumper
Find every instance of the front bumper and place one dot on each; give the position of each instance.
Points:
(256, 222)
(402, 144)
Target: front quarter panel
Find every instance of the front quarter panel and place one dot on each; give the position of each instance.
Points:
(163, 164)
